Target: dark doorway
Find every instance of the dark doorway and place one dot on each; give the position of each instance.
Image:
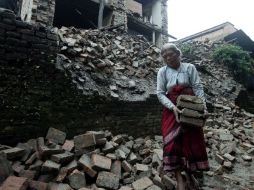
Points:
(78, 13)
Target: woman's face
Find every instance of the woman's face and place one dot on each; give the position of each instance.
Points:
(171, 58)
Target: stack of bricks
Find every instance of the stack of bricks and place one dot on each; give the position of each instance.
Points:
(22, 41)
(93, 160)
(192, 110)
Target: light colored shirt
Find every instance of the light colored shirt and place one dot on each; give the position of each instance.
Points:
(185, 75)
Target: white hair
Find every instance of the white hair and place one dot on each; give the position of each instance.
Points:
(171, 46)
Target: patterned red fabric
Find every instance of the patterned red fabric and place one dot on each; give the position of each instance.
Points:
(184, 147)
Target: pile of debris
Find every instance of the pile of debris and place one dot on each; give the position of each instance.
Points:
(100, 160)
(90, 160)
(217, 80)
(109, 51)
(230, 140)
(104, 61)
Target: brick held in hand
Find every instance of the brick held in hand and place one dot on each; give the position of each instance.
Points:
(191, 113)
(192, 121)
(191, 102)
(190, 98)
(197, 107)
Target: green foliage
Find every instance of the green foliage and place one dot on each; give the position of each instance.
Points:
(238, 60)
(187, 50)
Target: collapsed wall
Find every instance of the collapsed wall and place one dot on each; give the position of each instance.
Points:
(35, 95)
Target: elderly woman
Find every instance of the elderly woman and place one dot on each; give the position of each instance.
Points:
(184, 148)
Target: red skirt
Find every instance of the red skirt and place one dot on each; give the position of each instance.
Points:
(183, 148)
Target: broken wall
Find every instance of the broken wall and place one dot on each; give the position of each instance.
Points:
(38, 11)
(36, 95)
(119, 12)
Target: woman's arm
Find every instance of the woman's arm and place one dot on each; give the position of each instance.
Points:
(196, 84)
(161, 90)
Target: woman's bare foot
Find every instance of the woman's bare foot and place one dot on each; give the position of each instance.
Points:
(180, 180)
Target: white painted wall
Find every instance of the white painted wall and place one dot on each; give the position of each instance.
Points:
(26, 10)
(156, 13)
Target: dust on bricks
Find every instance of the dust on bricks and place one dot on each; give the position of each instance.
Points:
(116, 168)
(142, 183)
(38, 185)
(68, 145)
(15, 183)
(62, 158)
(13, 153)
(126, 166)
(77, 179)
(86, 164)
(107, 180)
(50, 166)
(84, 141)
(100, 162)
(56, 135)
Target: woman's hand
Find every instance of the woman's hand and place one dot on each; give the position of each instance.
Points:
(206, 114)
(177, 112)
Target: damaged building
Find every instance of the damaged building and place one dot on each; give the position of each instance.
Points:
(139, 17)
(105, 72)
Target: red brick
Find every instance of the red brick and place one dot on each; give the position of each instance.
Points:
(56, 135)
(15, 183)
(100, 162)
(38, 185)
(84, 141)
(68, 145)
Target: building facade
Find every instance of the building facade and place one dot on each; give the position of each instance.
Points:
(144, 17)
(215, 33)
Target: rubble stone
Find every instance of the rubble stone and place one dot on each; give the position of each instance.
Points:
(154, 187)
(50, 166)
(126, 166)
(29, 174)
(142, 183)
(56, 135)
(100, 162)
(168, 182)
(229, 157)
(247, 158)
(77, 179)
(219, 158)
(68, 145)
(107, 180)
(227, 165)
(58, 186)
(5, 167)
(157, 181)
(14, 183)
(46, 151)
(141, 168)
(72, 166)
(38, 185)
(116, 168)
(62, 158)
(14, 152)
(86, 164)
(62, 174)
(84, 141)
